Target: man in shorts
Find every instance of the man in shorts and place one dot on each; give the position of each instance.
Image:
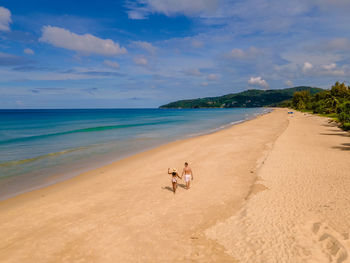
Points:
(187, 172)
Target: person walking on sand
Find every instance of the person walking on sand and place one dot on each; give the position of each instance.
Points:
(174, 176)
(187, 172)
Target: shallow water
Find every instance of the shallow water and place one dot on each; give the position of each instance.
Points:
(39, 147)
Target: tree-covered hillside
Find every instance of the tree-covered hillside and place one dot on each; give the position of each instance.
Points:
(245, 99)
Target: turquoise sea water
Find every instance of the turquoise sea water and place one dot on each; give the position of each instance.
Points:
(39, 147)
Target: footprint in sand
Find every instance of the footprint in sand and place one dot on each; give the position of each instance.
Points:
(331, 242)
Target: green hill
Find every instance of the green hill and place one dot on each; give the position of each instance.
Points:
(245, 99)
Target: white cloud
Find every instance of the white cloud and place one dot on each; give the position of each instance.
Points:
(142, 8)
(289, 83)
(146, 46)
(5, 19)
(332, 70)
(142, 61)
(258, 81)
(28, 51)
(193, 72)
(329, 67)
(84, 44)
(324, 70)
(212, 77)
(307, 67)
(112, 64)
(250, 53)
(318, 69)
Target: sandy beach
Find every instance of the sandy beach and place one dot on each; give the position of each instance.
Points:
(272, 189)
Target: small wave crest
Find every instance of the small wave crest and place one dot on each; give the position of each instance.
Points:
(89, 129)
(23, 161)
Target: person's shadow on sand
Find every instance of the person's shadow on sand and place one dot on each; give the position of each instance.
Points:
(168, 188)
(171, 189)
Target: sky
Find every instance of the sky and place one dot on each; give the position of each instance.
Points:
(145, 53)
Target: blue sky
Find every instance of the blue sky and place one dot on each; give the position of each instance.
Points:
(144, 53)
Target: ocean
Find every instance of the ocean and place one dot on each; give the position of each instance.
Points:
(41, 147)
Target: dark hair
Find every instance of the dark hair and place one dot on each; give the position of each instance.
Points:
(186, 163)
(173, 173)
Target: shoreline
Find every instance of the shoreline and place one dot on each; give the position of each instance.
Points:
(272, 189)
(79, 169)
(125, 211)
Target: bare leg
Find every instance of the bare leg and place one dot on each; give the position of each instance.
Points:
(188, 184)
(174, 187)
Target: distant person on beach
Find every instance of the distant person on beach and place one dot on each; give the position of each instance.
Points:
(174, 176)
(187, 172)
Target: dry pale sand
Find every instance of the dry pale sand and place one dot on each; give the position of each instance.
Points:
(297, 211)
(125, 212)
(304, 213)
